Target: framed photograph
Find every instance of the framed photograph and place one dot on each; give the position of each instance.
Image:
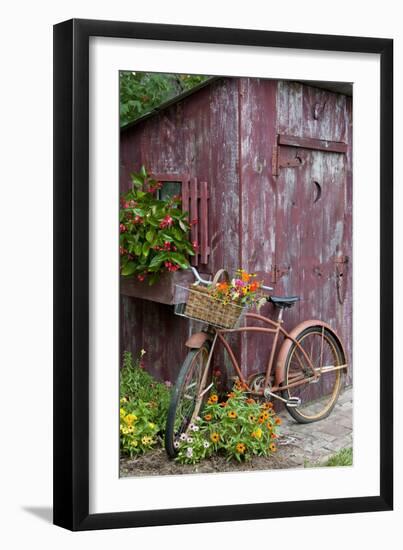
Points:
(223, 299)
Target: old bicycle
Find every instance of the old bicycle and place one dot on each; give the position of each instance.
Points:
(304, 370)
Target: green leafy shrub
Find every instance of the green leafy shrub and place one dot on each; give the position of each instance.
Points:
(239, 428)
(144, 405)
(137, 432)
(141, 92)
(154, 233)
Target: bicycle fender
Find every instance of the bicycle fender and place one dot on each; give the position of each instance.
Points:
(196, 340)
(279, 376)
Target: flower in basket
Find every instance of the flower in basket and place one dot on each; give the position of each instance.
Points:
(242, 290)
(154, 233)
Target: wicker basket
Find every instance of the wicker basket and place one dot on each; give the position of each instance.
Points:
(203, 306)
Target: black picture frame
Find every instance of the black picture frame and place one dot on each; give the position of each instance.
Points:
(71, 274)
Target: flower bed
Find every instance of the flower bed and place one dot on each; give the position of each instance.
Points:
(143, 407)
(237, 428)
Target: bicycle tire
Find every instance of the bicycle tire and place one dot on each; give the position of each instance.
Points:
(314, 405)
(182, 385)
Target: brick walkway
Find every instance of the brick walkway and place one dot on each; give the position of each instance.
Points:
(312, 444)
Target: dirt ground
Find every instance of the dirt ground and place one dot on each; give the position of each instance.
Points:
(156, 462)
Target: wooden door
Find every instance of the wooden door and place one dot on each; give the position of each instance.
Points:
(312, 230)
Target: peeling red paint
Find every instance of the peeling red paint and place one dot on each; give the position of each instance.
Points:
(298, 222)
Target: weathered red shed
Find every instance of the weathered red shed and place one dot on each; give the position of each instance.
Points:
(266, 168)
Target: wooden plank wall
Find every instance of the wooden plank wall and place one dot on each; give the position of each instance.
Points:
(197, 136)
(257, 100)
(225, 135)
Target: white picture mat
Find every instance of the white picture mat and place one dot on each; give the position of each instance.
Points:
(108, 493)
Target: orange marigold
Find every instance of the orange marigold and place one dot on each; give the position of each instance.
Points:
(222, 286)
(245, 276)
(214, 398)
(272, 447)
(232, 414)
(208, 417)
(241, 448)
(278, 421)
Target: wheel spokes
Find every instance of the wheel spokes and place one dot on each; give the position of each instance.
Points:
(189, 394)
(316, 395)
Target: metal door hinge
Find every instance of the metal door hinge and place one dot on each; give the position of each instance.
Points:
(341, 262)
(341, 277)
(277, 272)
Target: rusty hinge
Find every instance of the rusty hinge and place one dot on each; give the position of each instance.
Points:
(340, 261)
(341, 277)
(286, 157)
(277, 272)
(287, 150)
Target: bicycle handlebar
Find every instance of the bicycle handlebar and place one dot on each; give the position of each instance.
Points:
(267, 287)
(203, 281)
(197, 276)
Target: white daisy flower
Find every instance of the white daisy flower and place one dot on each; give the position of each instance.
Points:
(206, 444)
(189, 452)
(183, 437)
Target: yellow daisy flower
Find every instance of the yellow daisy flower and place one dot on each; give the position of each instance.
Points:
(130, 418)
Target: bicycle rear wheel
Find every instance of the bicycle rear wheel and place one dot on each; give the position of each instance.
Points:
(319, 398)
(184, 405)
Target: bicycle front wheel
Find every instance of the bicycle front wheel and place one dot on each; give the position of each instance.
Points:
(185, 401)
(318, 397)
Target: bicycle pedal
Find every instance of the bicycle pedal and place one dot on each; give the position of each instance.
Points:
(293, 402)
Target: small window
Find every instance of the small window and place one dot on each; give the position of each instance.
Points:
(169, 189)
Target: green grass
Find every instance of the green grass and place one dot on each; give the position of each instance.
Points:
(342, 458)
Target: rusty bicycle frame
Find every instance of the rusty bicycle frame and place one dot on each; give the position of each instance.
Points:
(275, 328)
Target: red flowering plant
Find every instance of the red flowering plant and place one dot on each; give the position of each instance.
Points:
(154, 233)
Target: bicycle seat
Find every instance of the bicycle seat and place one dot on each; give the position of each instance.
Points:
(283, 301)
